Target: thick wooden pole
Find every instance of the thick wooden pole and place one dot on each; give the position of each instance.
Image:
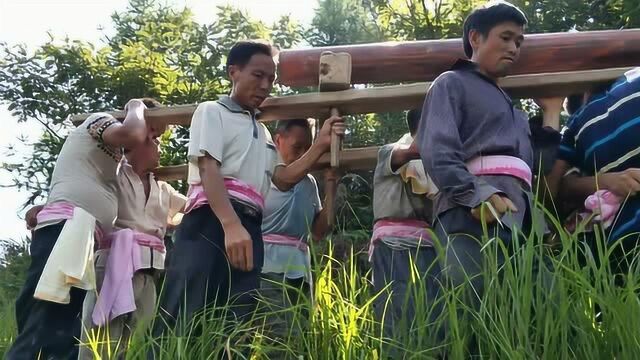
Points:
(334, 75)
(351, 159)
(390, 98)
(425, 60)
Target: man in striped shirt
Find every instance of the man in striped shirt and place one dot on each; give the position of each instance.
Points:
(601, 142)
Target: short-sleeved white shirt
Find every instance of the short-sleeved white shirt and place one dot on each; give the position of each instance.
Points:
(232, 136)
(144, 214)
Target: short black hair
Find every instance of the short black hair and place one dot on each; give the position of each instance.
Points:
(282, 126)
(151, 103)
(413, 120)
(574, 102)
(485, 18)
(242, 51)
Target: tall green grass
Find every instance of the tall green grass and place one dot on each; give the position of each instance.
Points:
(7, 324)
(538, 304)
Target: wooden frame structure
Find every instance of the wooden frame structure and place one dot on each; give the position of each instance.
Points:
(410, 61)
(389, 98)
(625, 45)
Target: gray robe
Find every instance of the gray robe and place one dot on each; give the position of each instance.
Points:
(466, 115)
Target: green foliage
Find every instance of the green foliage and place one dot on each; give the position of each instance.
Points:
(342, 22)
(13, 264)
(160, 51)
(423, 20)
(156, 51)
(14, 261)
(630, 11)
(562, 15)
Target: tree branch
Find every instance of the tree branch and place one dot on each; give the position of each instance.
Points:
(49, 129)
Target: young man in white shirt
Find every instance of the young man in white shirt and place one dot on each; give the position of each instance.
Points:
(218, 252)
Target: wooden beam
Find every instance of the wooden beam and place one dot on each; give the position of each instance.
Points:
(335, 75)
(403, 97)
(351, 159)
(394, 98)
(393, 62)
(169, 115)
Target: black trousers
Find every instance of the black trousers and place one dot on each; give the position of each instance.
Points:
(200, 275)
(46, 330)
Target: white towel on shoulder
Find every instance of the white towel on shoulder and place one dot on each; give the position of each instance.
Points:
(413, 172)
(71, 260)
(421, 184)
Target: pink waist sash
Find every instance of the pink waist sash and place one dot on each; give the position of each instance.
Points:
(285, 240)
(501, 165)
(141, 239)
(404, 229)
(63, 210)
(237, 189)
(116, 297)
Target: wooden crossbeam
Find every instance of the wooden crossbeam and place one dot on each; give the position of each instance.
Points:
(403, 97)
(408, 61)
(169, 115)
(378, 99)
(352, 159)
(392, 98)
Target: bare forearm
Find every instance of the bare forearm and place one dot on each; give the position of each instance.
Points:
(133, 130)
(576, 188)
(399, 157)
(551, 110)
(286, 177)
(216, 192)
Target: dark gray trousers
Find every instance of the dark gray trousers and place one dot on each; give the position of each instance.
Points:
(406, 282)
(46, 330)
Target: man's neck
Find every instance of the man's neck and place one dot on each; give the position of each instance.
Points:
(237, 101)
(483, 71)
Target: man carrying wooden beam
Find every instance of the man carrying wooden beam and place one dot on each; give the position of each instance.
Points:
(218, 252)
(602, 144)
(81, 208)
(475, 145)
(401, 245)
(291, 218)
(129, 259)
